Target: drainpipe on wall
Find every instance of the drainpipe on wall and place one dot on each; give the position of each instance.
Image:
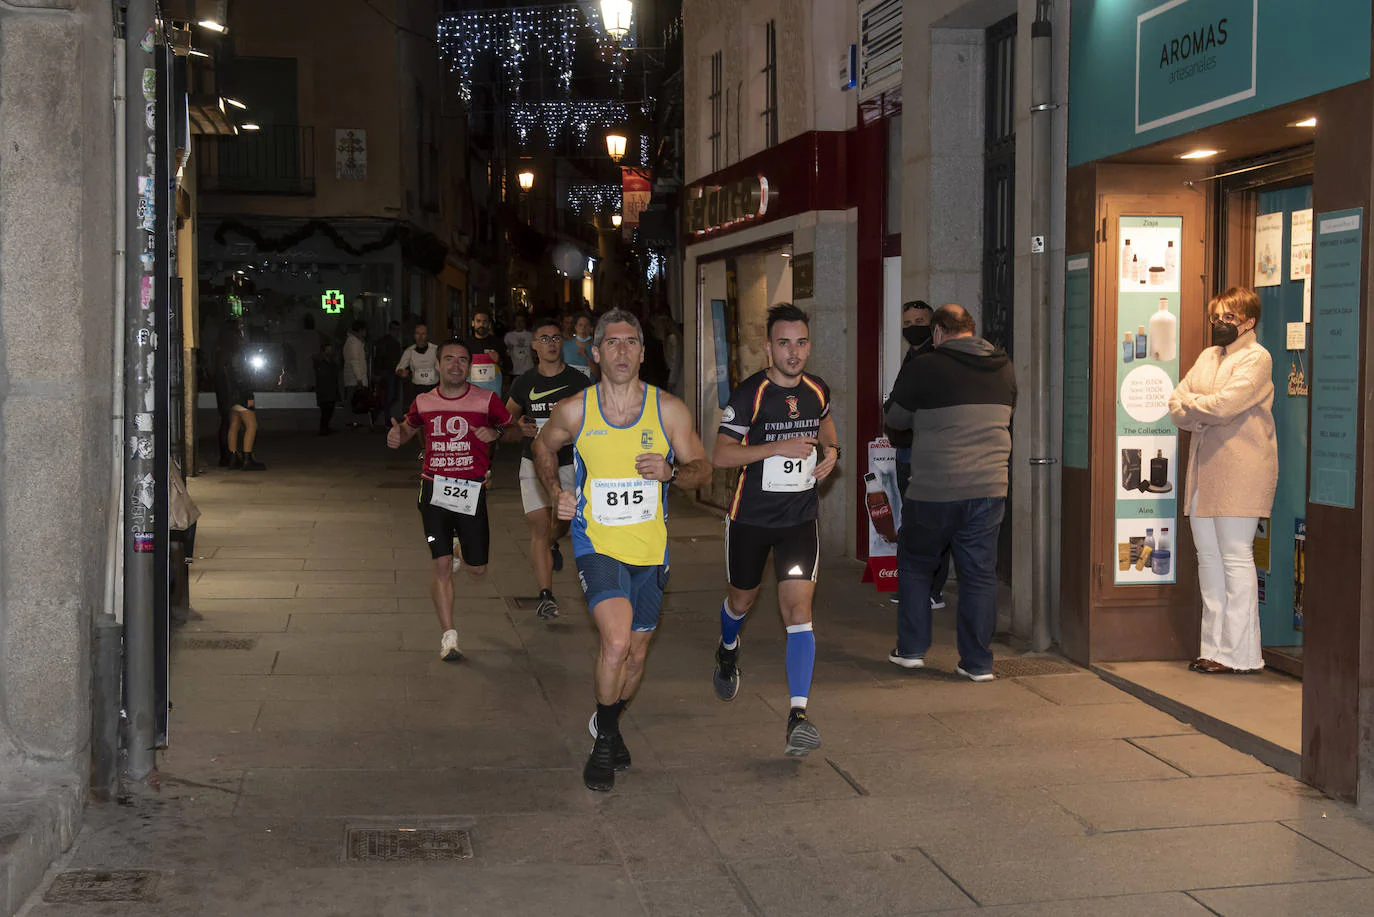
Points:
(1042, 460)
(140, 348)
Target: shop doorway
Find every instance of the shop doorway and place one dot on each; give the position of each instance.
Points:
(1273, 221)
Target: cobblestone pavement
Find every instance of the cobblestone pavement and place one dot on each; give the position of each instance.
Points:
(310, 700)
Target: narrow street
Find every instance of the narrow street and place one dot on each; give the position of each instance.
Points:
(310, 701)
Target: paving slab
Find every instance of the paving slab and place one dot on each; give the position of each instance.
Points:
(1201, 756)
(860, 884)
(1352, 838)
(1347, 898)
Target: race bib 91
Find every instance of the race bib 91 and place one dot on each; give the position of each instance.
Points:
(788, 475)
(627, 501)
(456, 494)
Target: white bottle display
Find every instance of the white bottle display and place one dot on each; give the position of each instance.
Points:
(1163, 333)
(1171, 265)
(1126, 254)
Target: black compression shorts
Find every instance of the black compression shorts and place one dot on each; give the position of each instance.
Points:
(796, 552)
(442, 526)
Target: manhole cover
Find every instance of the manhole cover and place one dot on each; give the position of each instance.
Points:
(1027, 666)
(523, 603)
(91, 887)
(219, 643)
(387, 845)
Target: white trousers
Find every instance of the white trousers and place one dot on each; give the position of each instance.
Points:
(1230, 590)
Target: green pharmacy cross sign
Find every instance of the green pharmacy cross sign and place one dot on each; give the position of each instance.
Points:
(332, 301)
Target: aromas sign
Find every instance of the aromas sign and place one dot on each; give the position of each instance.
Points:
(711, 208)
(1141, 71)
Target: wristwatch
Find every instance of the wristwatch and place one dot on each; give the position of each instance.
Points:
(672, 477)
(835, 446)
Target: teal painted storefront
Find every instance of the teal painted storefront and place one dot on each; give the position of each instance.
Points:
(1142, 71)
(1280, 305)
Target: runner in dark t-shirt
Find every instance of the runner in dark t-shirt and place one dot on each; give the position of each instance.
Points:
(532, 397)
(778, 430)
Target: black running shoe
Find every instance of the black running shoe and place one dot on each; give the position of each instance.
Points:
(599, 773)
(726, 676)
(802, 737)
(548, 606)
(620, 754)
(557, 557)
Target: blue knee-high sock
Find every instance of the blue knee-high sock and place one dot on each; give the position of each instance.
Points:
(801, 662)
(729, 626)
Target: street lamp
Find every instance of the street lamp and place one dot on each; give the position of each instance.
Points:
(615, 16)
(615, 145)
(616, 220)
(526, 180)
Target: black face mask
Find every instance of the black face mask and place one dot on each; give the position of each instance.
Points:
(1224, 334)
(916, 335)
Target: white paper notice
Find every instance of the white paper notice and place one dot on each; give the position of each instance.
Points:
(1300, 258)
(1307, 299)
(1297, 335)
(1269, 250)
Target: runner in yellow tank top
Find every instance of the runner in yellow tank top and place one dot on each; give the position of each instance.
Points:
(631, 441)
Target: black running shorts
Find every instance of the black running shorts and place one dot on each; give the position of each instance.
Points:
(796, 552)
(442, 526)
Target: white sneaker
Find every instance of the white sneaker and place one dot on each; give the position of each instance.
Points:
(894, 600)
(980, 676)
(906, 662)
(937, 601)
(448, 647)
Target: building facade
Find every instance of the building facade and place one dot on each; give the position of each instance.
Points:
(770, 213)
(345, 193)
(1213, 145)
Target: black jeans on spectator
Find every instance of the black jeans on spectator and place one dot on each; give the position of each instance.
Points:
(326, 412)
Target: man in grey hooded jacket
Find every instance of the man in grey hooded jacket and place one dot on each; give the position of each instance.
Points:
(957, 400)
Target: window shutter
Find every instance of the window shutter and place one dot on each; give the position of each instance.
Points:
(880, 47)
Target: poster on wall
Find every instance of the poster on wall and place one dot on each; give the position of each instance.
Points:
(1147, 370)
(884, 505)
(1269, 249)
(1077, 360)
(1335, 385)
(1300, 258)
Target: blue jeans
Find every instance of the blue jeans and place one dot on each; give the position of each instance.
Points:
(969, 529)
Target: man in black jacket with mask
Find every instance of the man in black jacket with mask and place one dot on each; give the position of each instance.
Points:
(958, 401)
(916, 331)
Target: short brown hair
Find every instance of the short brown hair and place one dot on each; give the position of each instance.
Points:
(1241, 301)
(953, 319)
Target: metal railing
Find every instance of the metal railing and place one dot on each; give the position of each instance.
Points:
(273, 160)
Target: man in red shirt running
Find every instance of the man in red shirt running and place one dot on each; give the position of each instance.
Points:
(458, 421)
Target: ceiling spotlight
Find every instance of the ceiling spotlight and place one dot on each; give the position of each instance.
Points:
(1199, 154)
(1306, 122)
(250, 126)
(212, 26)
(236, 103)
(194, 53)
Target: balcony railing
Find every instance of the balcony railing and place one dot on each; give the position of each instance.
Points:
(273, 160)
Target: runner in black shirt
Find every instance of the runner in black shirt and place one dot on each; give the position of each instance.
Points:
(777, 425)
(532, 397)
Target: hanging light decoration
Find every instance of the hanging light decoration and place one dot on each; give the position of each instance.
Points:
(615, 18)
(552, 120)
(589, 197)
(523, 37)
(615, 145)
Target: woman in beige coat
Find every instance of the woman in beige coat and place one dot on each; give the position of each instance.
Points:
(1233, 468)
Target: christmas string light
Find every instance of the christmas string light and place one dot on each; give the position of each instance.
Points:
(518, 37)
(589, 197)
(552, 119)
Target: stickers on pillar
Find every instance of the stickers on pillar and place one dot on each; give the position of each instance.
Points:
(884, 504)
